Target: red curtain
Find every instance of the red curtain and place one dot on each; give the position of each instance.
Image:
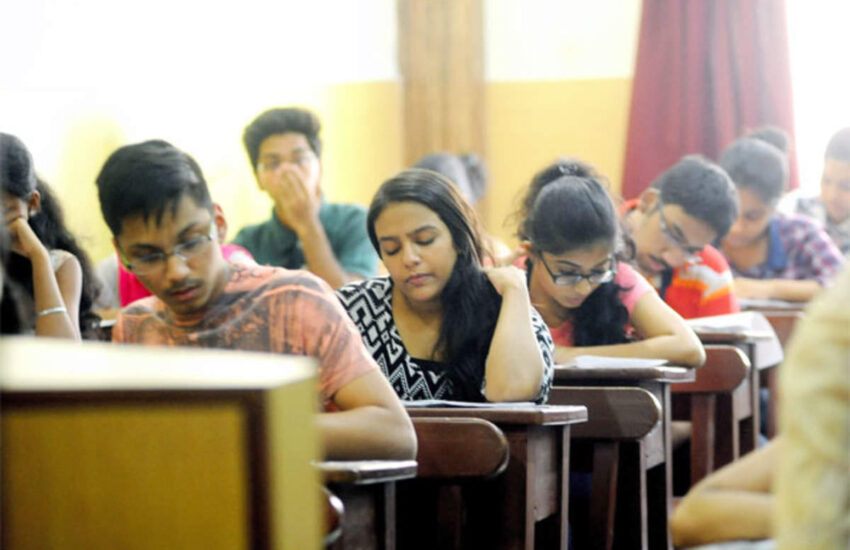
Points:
(706, 73)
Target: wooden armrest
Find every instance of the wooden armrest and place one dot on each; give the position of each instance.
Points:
(613, 412)
(724, 369)
(460, 448)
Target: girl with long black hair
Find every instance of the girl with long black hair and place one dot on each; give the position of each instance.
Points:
(440, 326)
(593, 301)
(45, 260)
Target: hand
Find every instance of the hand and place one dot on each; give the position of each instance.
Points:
(296, 203)
(506, 279)
(24, 240)
(753, 289)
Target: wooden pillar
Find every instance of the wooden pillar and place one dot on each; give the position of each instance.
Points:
(441, 55)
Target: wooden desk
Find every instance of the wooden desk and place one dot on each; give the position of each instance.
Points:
(771, 305)
(367, 489)
(109, 447)
(628, 443)
(505, 512)
(764, 351)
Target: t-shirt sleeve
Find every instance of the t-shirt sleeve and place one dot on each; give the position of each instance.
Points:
(547, 351)
(352, 246)
(633, 284)
(331, 337)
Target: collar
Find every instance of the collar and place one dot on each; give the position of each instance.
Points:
(777, 258)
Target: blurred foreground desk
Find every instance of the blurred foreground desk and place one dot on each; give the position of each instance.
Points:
(108, 447)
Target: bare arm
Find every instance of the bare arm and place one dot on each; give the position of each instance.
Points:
(320, 256)
(514, 367)
(665, 336)
(50, 290)
(778, 289)
(733, 503)
(371, 423)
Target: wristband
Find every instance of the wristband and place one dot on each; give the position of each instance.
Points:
(50, 311)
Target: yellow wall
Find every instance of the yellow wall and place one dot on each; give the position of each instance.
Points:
(362, 147)
(531, 123)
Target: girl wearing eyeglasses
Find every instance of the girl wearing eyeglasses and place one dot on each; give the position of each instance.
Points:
(55, 276)
(592, 300)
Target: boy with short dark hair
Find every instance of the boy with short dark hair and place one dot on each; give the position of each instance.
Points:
(832, 208)
(304, 231)
(673, 224)
(772, 255)
(156, 203)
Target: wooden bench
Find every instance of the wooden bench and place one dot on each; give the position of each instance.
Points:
(716, 403)
(626, 445)
(367, 489)
(529, 499)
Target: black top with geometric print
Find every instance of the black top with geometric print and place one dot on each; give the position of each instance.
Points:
(369, 304)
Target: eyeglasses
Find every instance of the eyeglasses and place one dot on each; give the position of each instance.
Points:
(690, 251)
(273, 163)
(594, 278)
(151, 263)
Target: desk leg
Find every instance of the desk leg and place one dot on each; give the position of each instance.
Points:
(703, 407)
(750, 427)
(369, 519)
(631, 513)
(660, 482)
(603, 496)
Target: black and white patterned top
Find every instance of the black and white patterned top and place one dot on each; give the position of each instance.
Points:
(369, 304)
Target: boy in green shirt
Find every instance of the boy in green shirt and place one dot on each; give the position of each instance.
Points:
(304, 231)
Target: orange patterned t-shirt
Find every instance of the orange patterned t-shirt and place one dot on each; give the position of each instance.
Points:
(266, 309)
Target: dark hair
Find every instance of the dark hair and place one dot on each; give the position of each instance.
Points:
(703, 190)
(470, 303)
(281, 121)
(147, 178)
(567, 208)
(756, 165)
(839, 146)
(773, 135)
(466, 171)
(48, 224)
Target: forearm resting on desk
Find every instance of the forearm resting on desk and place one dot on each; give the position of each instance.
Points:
(370, 432)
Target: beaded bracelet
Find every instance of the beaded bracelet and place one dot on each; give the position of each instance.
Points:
(50, 311)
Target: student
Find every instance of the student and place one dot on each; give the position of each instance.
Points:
(796, 488)
(468, 174)
(439, 325)
(304, 231)
(156, 203)
(46, 260)
(593, 301)
(832, 208)
(672, 224)
(771, 254)
(734, 503)
(121, 287)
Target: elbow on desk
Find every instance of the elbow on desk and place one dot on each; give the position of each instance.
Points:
(694, 356)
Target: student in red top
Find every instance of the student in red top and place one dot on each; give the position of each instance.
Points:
(671, 225)
(592, 300)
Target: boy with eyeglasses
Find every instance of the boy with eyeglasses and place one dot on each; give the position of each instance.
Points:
(304, 231)
(156, 203)
(672, 225)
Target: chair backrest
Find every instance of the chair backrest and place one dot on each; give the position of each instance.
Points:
(613, 412)
(107, 446)
(724, 369)
(460, 448)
